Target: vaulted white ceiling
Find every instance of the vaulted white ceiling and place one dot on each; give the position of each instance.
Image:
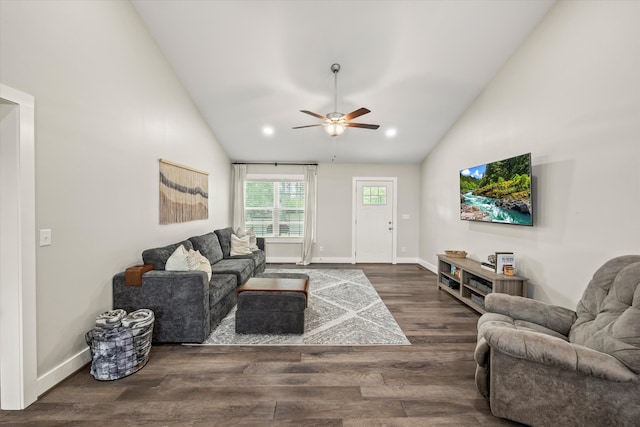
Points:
(417, 65)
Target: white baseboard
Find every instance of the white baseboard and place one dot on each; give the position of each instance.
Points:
(318, 260)
(407, 260)
(341, 260)
(282, 260)
(432, 268)
(63, 370)
(331, 260)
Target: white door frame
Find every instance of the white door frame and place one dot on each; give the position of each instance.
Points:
(354, 201)
(18, 340)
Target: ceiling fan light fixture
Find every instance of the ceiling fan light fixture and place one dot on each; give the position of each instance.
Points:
(335, 123)
(335, 128)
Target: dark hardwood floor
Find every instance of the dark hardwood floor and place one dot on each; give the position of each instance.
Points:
(429, 383)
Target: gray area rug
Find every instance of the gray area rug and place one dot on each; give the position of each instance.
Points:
(344, 309)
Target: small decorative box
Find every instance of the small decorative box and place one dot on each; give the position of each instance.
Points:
(133, 275)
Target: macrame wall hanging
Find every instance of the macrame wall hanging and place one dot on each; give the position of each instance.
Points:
(184, 193)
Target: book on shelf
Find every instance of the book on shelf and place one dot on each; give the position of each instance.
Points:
(505, 260)
(488, 266)
(455, 271)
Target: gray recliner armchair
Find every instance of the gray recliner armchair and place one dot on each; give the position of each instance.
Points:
(545, 365)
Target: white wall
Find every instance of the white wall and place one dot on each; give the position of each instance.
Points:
(570, 95)
(108, 106)
(334, 228)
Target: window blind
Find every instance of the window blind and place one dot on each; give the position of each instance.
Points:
(275, 208)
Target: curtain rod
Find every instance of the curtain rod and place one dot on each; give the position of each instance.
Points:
(275, 163)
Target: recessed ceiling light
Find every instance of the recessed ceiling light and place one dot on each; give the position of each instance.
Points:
(267, 130)
(391, 132)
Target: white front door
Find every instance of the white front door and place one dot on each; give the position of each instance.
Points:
(374, 221)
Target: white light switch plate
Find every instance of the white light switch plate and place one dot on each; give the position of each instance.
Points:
(45, 237)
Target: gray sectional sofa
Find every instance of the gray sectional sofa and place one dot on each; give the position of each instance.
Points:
(186, 304)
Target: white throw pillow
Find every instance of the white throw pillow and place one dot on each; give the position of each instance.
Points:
(183, 260)
(179, 260)
(240, 245)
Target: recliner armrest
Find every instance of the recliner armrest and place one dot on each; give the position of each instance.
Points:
(550, 316)
(548, 350)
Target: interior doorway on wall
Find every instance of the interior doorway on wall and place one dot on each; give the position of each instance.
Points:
(374, 210)
(18, 358)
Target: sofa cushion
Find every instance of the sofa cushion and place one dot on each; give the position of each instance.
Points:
(609, 312)
(220, 286)
(241, 268)
(224, 236)
(208, 246)
(158, 256)
(258, 257)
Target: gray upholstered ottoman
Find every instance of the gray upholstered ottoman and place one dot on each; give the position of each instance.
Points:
(272, 303)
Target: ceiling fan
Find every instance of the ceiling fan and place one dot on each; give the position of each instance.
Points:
(335, 123)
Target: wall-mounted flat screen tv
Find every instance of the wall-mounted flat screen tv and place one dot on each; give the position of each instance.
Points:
(498, 192)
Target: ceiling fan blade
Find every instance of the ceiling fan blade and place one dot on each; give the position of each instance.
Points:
(363, 125)
(306, 126)
(313, 114)
(359, 112)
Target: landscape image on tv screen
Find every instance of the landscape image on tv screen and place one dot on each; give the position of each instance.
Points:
(497, 192)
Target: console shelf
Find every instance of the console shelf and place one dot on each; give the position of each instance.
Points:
(467, 281)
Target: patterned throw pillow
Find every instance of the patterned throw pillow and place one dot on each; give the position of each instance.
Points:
(253, 240)
(202, 262)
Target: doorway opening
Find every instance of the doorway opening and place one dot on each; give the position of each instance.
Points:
(18, 357)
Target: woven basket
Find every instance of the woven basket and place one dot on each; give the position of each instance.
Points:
(117, 352)
(456, 254)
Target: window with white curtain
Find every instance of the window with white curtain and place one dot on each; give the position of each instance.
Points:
(274, 206)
